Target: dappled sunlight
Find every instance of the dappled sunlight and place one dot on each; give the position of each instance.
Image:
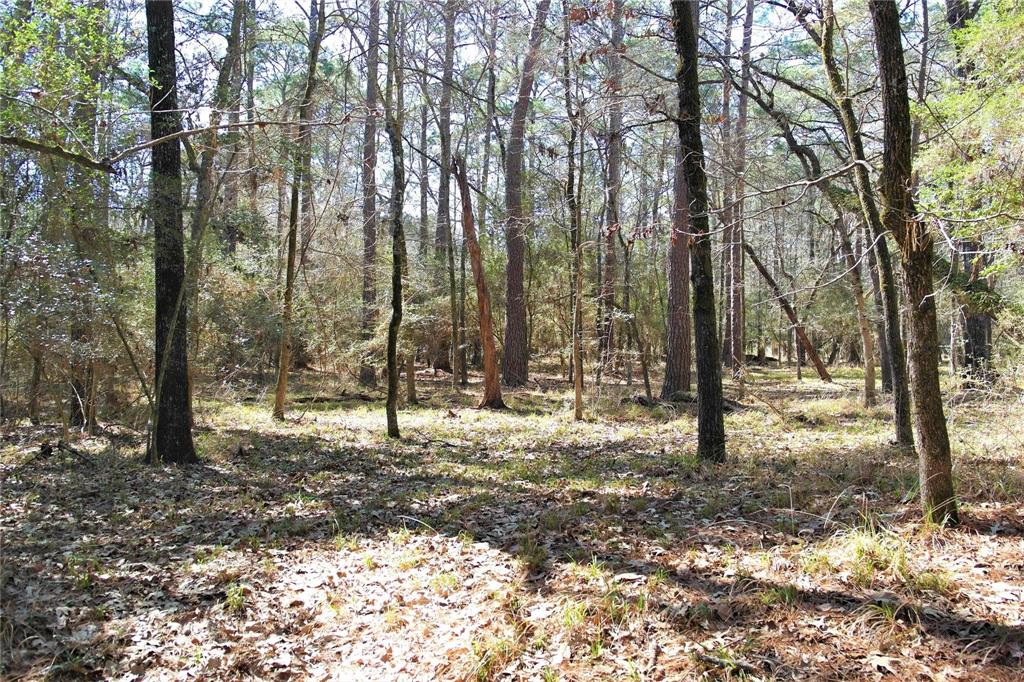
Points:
(507, 539)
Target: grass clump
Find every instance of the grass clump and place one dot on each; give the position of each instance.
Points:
(492, 655)
(234, 597)
(444, 583)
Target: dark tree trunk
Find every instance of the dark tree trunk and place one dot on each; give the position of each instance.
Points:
(393, 114)
(710, 421)
(915, 241)
(171, 439)
(678, 348)
(367, 375)
(35, 387)
(573, 189)
(515, 362)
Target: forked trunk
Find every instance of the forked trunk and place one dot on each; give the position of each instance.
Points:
(492, 385)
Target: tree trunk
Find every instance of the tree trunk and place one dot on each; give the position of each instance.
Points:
(728, 212)
(492, 385)
(573, 189)
(876, 294)
(862, 181)
(492, 42)
(424, 229)
(863, 323)
(367, 375)
(172, 418)
(35, 387)
(515, 361)
(710, 419)
(443, 238)
(737, 293)
(317, 21)
(801, 335)
(207, 182)
(915, 241)
(976, 328)
(678, 348)
(613, 221)
(393, 115)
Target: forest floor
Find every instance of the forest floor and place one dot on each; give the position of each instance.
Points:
(516, 544)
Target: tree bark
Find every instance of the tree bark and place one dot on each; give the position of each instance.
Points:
(393, 115)
(444, 235)
(900, 217)
(573, 189)
(710, 419)
(515, 361)
(172, 414)
(678, 344)
(614, 185)
(367, 375)
(492, 46)
(728, 211)
(876, 295)
(492, 385)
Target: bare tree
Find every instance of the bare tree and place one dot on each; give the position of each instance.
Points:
(710, 418)
(492, 385)
(613, 186)
(515, 361)
(317, 20)
(367, 376)
(393, 105)
(171, 439)
(915, 241)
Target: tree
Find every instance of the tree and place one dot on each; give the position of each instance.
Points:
(443, 239)
(710, 418)
(171, 439)
(825, 40)
(977, 322)
(798, 328)
(678, 344)
(573, 190)
(393, 104)
(613, 185)
(515, 361)
(492, 385)
(915, 240)
(317, 21)
(735, 295)
(367, 376)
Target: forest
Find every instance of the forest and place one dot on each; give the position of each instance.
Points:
(512, 339)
